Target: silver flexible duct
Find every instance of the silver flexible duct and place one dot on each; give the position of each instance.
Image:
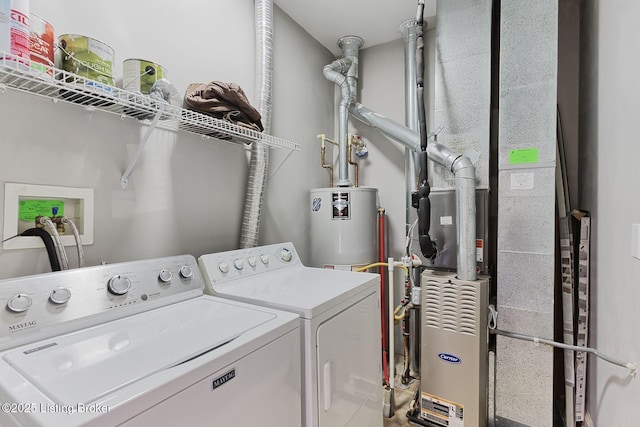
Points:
(259, 163)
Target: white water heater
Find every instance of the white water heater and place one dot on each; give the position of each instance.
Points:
(343, 232)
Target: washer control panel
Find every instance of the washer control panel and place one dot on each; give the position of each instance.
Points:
(226, 266)
(34, 304)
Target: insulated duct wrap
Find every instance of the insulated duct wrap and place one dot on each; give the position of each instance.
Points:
(259, 163)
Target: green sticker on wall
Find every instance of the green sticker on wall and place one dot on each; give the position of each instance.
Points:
(28, 210)
(525, 155)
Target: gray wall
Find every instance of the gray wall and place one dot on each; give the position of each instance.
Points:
(186, 194)
(609, 157)
(526, 228)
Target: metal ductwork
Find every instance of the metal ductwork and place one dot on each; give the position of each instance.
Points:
(259, 163)
(459, 165)
(465, 178)
(344, 73)
(394, 130)
(409, 30)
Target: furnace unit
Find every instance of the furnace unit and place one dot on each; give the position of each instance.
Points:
(454, 357)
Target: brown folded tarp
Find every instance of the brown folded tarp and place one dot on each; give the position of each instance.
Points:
(225, 101)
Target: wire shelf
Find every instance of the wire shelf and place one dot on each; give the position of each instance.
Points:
(59, 85)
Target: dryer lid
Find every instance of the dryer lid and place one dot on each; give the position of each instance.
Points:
(83, 366)
(306, 291)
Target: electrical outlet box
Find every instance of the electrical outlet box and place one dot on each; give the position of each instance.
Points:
(23, 202)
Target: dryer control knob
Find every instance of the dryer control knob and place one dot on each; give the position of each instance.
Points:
(286, 255)
(165, 276)
(60, 295)
(19, 303)
(186, 272)
(238, 264)
(223, 267)
(264, 258)
(252, 261)
(119, 285)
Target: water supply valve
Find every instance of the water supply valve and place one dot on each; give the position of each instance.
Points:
(360, 147)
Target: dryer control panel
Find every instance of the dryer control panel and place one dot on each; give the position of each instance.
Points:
(231, 265)
(35, 307)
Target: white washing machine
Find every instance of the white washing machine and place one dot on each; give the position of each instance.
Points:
(340, 317)
(138, 344)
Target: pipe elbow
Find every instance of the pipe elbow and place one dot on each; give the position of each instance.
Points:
(442, 155)
(335, 71)
(334, 76)
(463, 168)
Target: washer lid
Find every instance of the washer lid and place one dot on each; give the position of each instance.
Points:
(83, 366)
(303, 290)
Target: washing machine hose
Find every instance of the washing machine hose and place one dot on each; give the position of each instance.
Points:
(48, 244)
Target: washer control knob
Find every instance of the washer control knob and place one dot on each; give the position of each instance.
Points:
(286, 255)
(186, 272)
(223, 267)
(238, 264)
(119, 285)
(165, 276)
(19, 303)
(60, 295)
(264, 258)
(252, 261)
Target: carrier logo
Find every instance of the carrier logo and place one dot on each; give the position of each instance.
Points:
(222, 380)
(450, 358)
(21, 326)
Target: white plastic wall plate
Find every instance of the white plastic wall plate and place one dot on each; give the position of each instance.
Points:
(635, 240)
(12, 194)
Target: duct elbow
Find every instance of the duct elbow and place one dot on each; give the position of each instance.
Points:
(463, 168)
(335, 72)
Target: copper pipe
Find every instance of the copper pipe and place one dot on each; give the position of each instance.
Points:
(354, 164)
(322, 151)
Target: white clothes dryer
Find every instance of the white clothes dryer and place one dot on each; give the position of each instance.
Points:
(138, 344)
(340, 316)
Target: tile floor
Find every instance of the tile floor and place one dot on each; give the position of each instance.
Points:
(403, 398)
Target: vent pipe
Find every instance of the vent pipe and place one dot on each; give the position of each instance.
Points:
(259, 163)
(409, 30)
(344, 73)
(465, 178)
(459, 165)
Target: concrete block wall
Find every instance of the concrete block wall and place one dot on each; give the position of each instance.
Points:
(526, 210)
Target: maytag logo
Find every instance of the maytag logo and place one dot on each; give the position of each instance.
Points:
(21, 326)
(222, 380)
(450, 358)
